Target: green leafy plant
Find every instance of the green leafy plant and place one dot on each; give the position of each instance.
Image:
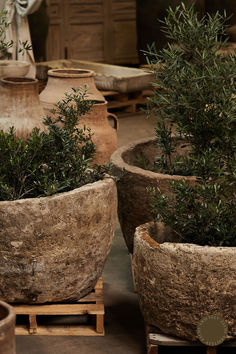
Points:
(50, 162)
(4, 24)
(4, 44)
(194, 91)
(194, 98)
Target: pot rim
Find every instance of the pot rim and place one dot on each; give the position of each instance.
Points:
(18, 80)
(142, 232)
(101, 182)
(117, 160)
(70, 73)
(10, 316)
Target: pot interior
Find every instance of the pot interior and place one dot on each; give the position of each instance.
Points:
(149, 150)
(71, 71)
(159, 233)
(18, 80)
(4, 312)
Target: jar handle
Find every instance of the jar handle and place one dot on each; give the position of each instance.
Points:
(116, 122)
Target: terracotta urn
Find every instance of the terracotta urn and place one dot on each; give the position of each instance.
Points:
(13, 68)
(20, 106)
(178, 284)
(61, 81)
(54, 248)
(104, 135)
(133, 198)
(7, 329)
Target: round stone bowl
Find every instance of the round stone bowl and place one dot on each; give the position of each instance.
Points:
(178, 284)
(53, 249)
(133, 198)
(7, 329)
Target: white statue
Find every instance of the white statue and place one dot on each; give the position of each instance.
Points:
(18, 31)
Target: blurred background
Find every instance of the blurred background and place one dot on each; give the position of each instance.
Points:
(110, 31)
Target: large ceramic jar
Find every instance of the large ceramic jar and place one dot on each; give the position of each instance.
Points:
(179, 284)
(7, 329)
(54, 248)
(61, 81)
(134, 200)
(104, 135)
(20, 106)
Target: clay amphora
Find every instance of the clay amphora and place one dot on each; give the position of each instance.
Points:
(104, 135)
(61, 81)
(20, 106)
(7, 328)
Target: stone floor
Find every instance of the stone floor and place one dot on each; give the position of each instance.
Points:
(123, 321)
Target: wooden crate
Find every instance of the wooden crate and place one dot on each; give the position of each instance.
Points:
(92, 305)
(125, 103)
(155, 338)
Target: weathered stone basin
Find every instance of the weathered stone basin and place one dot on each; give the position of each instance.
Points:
(178, 283)
(133, 198)
(54, 248)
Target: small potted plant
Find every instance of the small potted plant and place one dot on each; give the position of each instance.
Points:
(185, 261)
(193, 87)
(9, 67)
(57, 213)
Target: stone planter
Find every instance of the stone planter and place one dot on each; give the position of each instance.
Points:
(20, 106)
(13, 68)
(179, 284)
(134, 200)
(7, 329)
(54, 248)
(61, 81)
(104, 135)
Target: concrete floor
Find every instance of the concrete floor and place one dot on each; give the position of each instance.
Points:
(123, 321)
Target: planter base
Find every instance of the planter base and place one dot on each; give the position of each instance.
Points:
(155, 338)
(92, 304)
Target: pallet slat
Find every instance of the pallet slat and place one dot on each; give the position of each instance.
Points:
(92, 304)
(155, 338)
(60, 309)
(59, 330)
(125, 102)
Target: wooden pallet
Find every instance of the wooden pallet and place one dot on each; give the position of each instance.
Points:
(125, 103)
(155, 338)
(92, 304)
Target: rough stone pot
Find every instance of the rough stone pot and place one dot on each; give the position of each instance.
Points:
(54, 248)
(180, 283)
(133, 198)
(7, 329)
